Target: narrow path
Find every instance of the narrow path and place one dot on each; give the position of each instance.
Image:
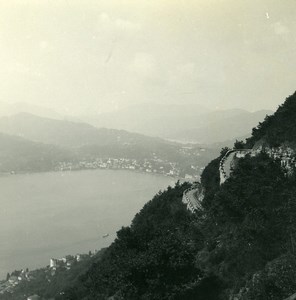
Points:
(226, 162)
(193, 197)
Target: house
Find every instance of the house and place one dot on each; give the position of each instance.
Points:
(13, 280)
(34, 297)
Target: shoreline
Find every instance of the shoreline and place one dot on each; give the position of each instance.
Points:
(6, 174)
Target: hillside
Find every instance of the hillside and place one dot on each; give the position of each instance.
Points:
(20, 155)
(278, 128)
(244, 232)
(65, 133)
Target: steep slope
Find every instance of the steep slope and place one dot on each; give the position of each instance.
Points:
(250, 225)
(278, 128)
(154, 258)
(250, 218)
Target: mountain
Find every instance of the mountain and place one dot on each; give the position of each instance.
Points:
(20, 155)
(220, 126)
(278, 128)
(185, 123)
(149, 118)
(66, 133)
(8, 109)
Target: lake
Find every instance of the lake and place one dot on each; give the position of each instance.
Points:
(48, 215)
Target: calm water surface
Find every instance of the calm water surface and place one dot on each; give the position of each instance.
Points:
(53, 214)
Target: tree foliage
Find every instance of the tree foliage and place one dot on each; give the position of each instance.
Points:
(278, 128)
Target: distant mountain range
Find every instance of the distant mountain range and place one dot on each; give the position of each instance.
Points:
(222, 126)
(178, 122)
(184, 123)
(66, 133)
(8, 109)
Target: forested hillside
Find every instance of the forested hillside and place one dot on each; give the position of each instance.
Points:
(278, 128)
(154, 258)
(245, 232)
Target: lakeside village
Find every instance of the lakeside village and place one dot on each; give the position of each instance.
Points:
(55, 266)
(154, 165)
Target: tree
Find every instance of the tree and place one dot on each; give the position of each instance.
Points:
(239, 144)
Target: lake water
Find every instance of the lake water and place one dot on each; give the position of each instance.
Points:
(53, 214)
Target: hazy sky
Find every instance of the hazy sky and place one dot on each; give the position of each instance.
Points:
(87, 56)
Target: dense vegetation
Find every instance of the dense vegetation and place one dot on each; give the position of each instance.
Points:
(154, 258)
(250, 221)
(278, 128)
(246, 230)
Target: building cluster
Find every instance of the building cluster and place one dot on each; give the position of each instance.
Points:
(67, 261)
(7, 286)
(22, 276)
(154, 165)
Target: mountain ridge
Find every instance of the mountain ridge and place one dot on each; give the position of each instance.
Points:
(186, 123)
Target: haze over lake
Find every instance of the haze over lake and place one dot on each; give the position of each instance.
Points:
(53, 214)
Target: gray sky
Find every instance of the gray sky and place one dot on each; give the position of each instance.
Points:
(91, 56)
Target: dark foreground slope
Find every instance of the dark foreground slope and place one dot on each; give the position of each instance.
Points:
(250, 226)
(155, 258)
(279, 128)
(243, 243)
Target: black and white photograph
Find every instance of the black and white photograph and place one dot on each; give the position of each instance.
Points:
(147, 150)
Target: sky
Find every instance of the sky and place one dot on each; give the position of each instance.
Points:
(85, 57)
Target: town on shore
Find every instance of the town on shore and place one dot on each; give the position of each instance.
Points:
(56, 266)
